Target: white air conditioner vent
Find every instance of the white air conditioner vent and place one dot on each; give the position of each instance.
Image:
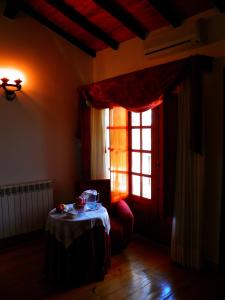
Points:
(178, 39)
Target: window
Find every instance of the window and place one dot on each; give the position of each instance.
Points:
(141, 154)
(131, 149)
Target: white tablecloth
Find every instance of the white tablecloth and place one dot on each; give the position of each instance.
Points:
(68, 226)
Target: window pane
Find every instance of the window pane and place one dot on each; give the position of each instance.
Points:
(118, 139)
(135, 119)
(135, 138)
(146, 187)
(119, 160)
(147, 118)
(136, 185)
(146, 163)
(136, 168)
(146, 139)
(119, 182)
(118, 116)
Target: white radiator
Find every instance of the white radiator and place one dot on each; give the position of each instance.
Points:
(24, 207)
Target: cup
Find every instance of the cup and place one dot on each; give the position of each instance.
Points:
(80, 203)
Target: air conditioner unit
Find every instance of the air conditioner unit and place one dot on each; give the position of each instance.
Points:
(175, 40)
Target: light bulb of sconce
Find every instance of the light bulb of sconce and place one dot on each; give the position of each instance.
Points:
(18, 81)
(12, 75)
(4, 80)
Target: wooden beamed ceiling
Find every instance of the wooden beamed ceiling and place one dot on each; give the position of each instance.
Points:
(73, 40)
(78, 18)
(11, 9)
(93, 25)
(168, 11)
(121, 14)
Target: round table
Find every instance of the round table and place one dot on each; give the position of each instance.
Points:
(78, 245)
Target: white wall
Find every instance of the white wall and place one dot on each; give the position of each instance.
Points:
(38, 129)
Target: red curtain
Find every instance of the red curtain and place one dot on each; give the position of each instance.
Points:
(136, 91)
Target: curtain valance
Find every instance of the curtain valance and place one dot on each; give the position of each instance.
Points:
(140, 90)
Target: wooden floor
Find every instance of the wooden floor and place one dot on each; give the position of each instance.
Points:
(143, 271)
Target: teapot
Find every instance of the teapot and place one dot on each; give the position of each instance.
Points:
(91, 197)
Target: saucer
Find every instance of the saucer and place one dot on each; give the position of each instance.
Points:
(72, 213)
(92, 206)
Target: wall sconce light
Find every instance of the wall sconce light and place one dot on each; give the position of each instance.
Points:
(10, 81)
(10, 88)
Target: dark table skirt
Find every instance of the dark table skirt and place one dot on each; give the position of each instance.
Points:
(87, 259)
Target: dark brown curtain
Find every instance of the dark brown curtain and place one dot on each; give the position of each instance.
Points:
(169, 151)
(199, 65)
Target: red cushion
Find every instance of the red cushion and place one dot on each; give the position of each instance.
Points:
(123, 211)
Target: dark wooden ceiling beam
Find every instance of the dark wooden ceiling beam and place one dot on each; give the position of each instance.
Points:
(11, 9)
(122, 15)
(75, 16)
(220, 4)
(46, 22)
(169, 12)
